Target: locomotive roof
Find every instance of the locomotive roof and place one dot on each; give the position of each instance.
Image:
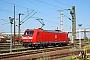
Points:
(56, 31)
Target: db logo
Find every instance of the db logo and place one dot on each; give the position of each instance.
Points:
(55, 36)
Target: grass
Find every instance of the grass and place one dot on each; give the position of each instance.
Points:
(30, 58)
(62, 59)
(5, 43)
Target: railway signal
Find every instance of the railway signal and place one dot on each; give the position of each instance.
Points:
(11, 22)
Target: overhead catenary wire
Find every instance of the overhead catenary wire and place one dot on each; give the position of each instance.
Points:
(40, 4)
(48, 4)
(34, 10)
(47, 20)
(28, 18)
(51, 21)
(67, 17)
(22, 7)
(5, 20)
(28, 15)
(26, 8)
(7, 11)
(62, 3)
(14, 4)
(41, 12)
(54, 5)
(5, 23)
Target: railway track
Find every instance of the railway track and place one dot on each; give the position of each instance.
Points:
(51, 53)
(19, 49)
(14, 50)
(33, 53)
(3, 47)
(7, 47)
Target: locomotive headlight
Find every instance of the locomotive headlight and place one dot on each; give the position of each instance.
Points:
(24, 37)
(27, 37)
(30, 37)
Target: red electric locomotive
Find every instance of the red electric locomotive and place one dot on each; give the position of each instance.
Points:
(40, 37)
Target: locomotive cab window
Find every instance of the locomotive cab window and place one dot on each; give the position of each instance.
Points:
(29, 33)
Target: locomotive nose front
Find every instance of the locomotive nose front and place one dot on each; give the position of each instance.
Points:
(27, 39)
(28, 36)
